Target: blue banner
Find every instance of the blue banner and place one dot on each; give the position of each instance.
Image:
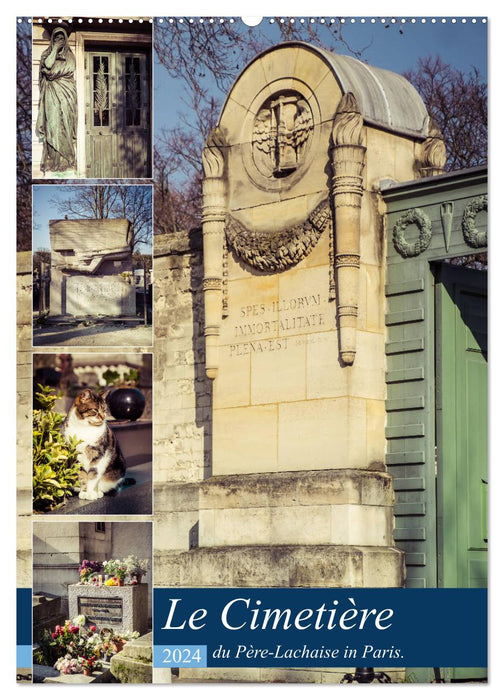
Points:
(329, 627)
(24, 616)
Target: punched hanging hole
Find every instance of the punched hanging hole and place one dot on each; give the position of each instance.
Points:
(251, 21)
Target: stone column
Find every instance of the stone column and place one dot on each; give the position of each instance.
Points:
(347, 158)
(213, 218)
(432, 158)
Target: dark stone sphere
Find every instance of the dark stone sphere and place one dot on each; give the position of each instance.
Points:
(126, 404)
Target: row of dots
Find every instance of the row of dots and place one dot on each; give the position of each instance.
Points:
(281, 20)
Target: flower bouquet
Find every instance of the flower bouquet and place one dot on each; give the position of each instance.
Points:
(117, 570)
(87, 571)
(89, 664)
(67, 665)
(136, 567)
(77, 648)
(114, 642)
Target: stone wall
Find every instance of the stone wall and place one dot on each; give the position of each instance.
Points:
(23, 419)
(182, 401)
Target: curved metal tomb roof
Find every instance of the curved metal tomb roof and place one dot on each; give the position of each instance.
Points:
(385, 98)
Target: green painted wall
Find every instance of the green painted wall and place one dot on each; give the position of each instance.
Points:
(436, 380)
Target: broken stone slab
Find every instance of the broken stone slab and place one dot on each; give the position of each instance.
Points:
(134, 663)
(139, 648)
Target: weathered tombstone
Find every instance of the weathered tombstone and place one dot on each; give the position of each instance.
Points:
(46, 613)
(91, 268)
(121, 608)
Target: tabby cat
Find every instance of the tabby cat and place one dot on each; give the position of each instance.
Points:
(102, 465)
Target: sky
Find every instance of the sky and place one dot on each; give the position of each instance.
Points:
(396, 47)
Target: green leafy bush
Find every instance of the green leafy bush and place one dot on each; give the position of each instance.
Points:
(55, 462)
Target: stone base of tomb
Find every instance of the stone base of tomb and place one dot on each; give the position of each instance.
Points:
(286, 566)
(312, 529)
(328, 528)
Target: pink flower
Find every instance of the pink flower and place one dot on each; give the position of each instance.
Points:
(54, 635)
(93, 628)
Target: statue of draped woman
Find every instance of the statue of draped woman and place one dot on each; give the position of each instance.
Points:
(57, 116)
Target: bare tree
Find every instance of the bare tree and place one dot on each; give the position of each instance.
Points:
(177, 207)
(133, 202)
(207, 57)
(42, 255)
(458, 104)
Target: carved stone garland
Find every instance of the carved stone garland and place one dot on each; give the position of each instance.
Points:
(419, 219)
(274, 252)
(473, 237)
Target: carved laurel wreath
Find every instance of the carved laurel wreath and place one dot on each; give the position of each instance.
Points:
(274, 252)
(424, 225)
(473, 237)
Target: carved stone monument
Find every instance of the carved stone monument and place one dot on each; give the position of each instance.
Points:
(56, 123)
(91, 268)
(121, 608)
(293, 238)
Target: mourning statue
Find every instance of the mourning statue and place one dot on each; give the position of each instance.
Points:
(57, 117)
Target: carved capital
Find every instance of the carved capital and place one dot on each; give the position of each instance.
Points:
(433, 156)
(348, 123)
(213, 154)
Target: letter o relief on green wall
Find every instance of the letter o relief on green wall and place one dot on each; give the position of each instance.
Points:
(423, 223)
(473, 237)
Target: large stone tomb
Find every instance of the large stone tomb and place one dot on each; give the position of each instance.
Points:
(293, 242)
(91, 268)
(121, 608)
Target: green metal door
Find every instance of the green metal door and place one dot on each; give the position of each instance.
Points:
(118, 133)
(461, 432)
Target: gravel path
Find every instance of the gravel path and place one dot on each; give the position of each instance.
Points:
(98, 335)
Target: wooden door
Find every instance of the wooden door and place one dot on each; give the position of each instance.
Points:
(461, 426)
(118, 114)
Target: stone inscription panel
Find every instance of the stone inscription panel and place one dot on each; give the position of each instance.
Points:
(110, 296)
(269, 313)
(103, 612)
(264, 327)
